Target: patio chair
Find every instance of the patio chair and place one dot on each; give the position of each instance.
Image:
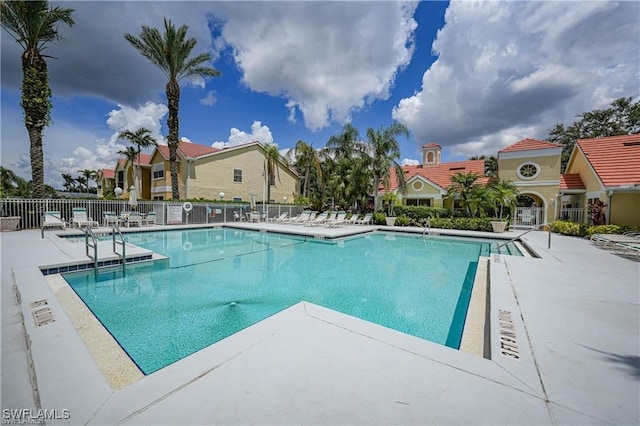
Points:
(366, 220)
(150, 219)
(352, 219)
(278, 218)
(134, 219)
(81, 218)
(52, 219)
(110, 218)
(254, 217)
(609, 240)
(338, 220)
(631, 249)
(237, 217)
(301, 218)
(318, 220)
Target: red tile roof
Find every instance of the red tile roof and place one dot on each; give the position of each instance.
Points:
(615, 159)
(441, 174)
(108, 173)
(188, 149)
(571, 181)
(528, 144)
(144, 159)
(431, 145)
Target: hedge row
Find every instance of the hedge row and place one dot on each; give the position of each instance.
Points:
(580, 230)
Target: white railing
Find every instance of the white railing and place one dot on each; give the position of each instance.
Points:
(527, 217)
(572, 215)
(30, 211)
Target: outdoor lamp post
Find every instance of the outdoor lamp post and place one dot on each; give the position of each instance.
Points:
(284, 199)
(117, 191)
(221, 194)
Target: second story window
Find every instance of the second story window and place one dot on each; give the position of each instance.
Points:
(237, 175)
(158, 171)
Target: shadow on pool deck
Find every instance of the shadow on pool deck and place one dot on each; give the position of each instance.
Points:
(576, 319)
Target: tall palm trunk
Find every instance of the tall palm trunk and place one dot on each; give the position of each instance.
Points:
(36, 102)
(173, 139)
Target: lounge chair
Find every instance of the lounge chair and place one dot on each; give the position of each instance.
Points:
(338, 220)
(301, 218)
(352, 219)
(627, 249)
(150, 219)
(366, 220)
(318, 220)
(110, 218)
(254, 217)
(134, 219)
(81, 218)
(609, 240)
(278, 219)
(52, 219)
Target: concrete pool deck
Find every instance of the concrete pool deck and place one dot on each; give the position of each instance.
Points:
(571, 318)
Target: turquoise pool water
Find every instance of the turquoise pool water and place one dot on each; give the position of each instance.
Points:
(219, 281)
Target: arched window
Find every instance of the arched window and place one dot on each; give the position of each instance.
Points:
(430, 157)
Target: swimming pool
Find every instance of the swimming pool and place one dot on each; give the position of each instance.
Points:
(220, 281)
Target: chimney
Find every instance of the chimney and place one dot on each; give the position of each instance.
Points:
(430, 154)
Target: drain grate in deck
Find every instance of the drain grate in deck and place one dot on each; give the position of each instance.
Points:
(41, 312)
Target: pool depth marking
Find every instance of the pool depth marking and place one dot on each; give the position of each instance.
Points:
(507, 332)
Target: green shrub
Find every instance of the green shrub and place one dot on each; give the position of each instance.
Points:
(604, 229)
(379, 218)
(421, 212)
(568, 228)
(403, 220)
(466, 223)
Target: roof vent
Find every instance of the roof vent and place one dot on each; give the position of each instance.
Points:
(457, 168)
(632, 143)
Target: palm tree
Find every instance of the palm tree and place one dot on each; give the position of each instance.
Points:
(33, 25)
(306, 159)
(462, 185)
(170, 52)
(88, 175)
(69, 181)
(271, 159)
(141, 138)
(346, 144)
(130, 154)
(12, 185)
(504, 193)
(384, 151)
(490, 165)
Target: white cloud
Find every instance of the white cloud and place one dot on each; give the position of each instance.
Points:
(258, 133)
(409, 162)
(326, 59)
(509, 70)
(210, 99)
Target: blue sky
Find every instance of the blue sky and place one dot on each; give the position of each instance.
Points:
(472, 76)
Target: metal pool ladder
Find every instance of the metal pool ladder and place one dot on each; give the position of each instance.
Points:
(90, 241)
(524, 233)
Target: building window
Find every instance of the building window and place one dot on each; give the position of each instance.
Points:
(158, 197)
(158, 171)
(430, 157)
(237, 175)
(237, 198)
(121, 179)
(418, 185)
(528, 171)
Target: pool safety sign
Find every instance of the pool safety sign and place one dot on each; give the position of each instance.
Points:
(174, 214)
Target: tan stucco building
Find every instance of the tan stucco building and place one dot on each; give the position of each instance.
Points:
(205, 172)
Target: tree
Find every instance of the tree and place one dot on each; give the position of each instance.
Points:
(34, 25)
(170, 52)
(384, 150)
(141, 138)
(12, 185)
(271, 170)
(462, 185)
(87, 176)
(490, 165)
(621, 118)
(69, 182)
(307, 160)
(345, 159)
(503, 193)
